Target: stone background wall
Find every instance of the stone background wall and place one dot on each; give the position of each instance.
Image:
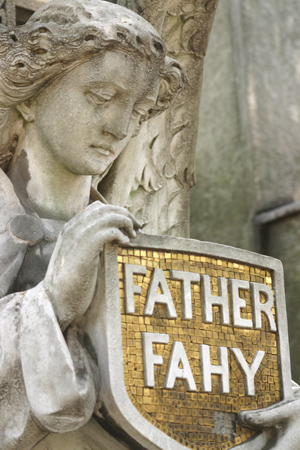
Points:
(248, 155)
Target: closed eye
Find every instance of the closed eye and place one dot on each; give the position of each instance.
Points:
(99, 98)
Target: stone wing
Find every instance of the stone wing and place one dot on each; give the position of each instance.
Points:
(154, 174)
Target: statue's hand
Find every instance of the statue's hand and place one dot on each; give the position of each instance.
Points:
(281, 421)
(72, 273)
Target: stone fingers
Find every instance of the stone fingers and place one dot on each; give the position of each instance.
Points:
(96, 229)
(122, 211)
(99, 208)
(270, 416)
(86, 238)
(99, 215)
(110, 235)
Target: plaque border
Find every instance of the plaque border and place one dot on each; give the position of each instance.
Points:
(106, 334)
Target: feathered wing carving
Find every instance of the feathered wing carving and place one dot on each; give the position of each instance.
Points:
(154, 174)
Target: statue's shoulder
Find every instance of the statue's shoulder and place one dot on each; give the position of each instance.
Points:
(12, 249)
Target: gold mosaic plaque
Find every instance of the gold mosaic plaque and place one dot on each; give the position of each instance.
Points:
(194, 415)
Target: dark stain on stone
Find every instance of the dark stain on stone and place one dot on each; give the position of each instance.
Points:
(21, 182)
(89, 346)
(86, 342)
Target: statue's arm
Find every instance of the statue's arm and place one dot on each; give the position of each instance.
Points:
(45, 379)
(59, 381)
(57, 376)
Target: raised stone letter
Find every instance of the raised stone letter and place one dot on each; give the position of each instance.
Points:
(149, 359)
(130, 288)
(158, 280)
(186, 296)
(258, 307)
(207, 300)
(239, 303)
(178, 356)
(209, 369)
(249, 372)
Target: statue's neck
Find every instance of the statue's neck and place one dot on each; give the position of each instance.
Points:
(45, 184)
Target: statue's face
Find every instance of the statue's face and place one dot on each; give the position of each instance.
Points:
(86, 118)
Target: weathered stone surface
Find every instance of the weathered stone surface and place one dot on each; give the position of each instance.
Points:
(249, 140)
(221, 207)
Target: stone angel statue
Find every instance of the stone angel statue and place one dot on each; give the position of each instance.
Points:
(76, 81)
(76, 84)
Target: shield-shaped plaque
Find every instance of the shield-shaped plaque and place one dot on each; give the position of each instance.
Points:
(189, 334)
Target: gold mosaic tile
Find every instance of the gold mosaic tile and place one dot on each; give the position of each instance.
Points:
(190, 417)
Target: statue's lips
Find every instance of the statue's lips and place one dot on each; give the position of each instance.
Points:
(104, 150)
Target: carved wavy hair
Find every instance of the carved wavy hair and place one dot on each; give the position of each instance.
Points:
(61, 35)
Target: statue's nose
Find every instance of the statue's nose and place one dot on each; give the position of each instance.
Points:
(121, 134)
(118, 134)
(118, 124)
